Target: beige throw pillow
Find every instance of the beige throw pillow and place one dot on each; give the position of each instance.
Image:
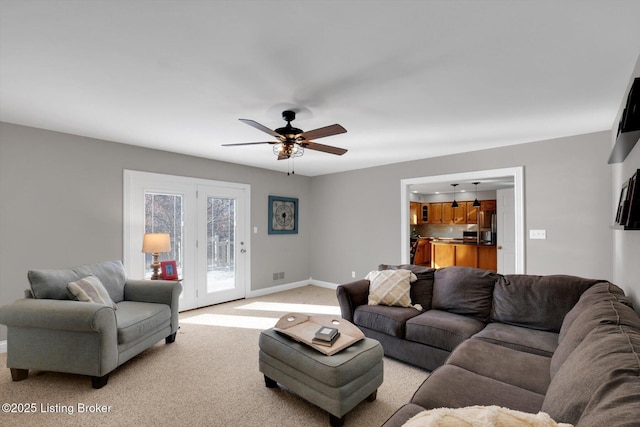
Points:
(391, 287)
(91, 289)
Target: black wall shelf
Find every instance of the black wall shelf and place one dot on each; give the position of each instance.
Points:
(623, 146)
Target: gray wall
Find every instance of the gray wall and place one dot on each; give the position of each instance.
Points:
(626, 244)
(61, 205)
(567, 192)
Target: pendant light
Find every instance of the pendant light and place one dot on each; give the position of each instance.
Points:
(476, 203)
(454, 204)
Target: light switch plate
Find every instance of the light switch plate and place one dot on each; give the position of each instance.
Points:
(537, 234)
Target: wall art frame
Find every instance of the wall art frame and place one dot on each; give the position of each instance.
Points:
(283, 215)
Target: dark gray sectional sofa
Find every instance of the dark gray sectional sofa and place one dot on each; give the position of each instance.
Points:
(564, 345)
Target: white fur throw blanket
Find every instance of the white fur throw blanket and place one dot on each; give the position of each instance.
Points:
(481, 416)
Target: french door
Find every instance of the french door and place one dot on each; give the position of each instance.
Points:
(221, 245)
(207, 222)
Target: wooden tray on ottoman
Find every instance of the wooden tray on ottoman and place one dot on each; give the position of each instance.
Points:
(303, 328)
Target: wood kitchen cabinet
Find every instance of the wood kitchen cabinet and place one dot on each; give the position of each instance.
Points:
(454, 215)
(488, 258)
(423, 253)
(442, 255)
(413, 212)
(443, 213)
(467, 255)
(447, 213)
(472, 213)
(460, 214)
(435, 213)
(487, 205)
(423, 216)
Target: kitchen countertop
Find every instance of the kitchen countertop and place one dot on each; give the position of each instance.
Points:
(452, 241)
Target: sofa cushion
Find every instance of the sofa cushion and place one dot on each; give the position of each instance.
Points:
(381, 318)
(464, 290)
(605, 407)
(526, 370)
(536, 302)
(451, 386)
(52, 283)
(135, 320)
(602, 365)
(110, 273)
(391, 287)
(90, 289)
(603, 291)
(404, 413)
(441, 329)
(421, 289)
(601, 312)
(518, 338)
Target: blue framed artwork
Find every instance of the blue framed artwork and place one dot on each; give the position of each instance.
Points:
(283, 215)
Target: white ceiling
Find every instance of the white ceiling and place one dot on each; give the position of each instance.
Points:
(407, 79)
(466, 185)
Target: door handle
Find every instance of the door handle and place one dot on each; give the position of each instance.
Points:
(243, 250)
(499, 247)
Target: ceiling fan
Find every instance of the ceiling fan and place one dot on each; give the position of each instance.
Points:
(291, 142)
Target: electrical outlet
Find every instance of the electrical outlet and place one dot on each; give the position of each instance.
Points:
(353, 274)
(281, 275)
(275, 276)
(537, 234)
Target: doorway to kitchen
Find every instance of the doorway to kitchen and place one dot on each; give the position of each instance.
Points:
(514, 262)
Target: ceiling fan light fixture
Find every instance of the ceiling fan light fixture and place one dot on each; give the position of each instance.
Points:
(291, 142)
(286, 151)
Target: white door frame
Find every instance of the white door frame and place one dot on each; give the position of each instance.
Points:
(135, 183)
(240, 248)
(518, 186)
(506, 239)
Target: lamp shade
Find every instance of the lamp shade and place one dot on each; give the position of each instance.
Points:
(155, 243)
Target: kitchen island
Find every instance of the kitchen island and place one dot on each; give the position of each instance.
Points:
(447, 253)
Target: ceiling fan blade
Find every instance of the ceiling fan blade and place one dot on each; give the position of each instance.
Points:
(249, 143)
(322, 132)
(261, 127)
(324, 148)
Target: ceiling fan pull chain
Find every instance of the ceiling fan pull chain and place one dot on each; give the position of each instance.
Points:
(291, 162)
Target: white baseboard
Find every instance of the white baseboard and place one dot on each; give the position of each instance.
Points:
(322, 284)
(3, 346)
(288, 286)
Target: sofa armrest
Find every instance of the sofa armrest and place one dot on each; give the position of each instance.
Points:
(351, 295)
(58, 314)
(158, 292)
(61, 336)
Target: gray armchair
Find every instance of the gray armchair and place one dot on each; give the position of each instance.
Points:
(49, 331)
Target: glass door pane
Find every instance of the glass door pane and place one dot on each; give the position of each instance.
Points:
(221, 233)
(222, 250)
(164, 214)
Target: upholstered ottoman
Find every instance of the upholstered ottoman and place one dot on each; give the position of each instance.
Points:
(334, 383)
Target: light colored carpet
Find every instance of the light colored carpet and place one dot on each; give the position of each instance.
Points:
(208, 377)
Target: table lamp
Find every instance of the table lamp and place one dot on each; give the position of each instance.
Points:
(154, 243)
